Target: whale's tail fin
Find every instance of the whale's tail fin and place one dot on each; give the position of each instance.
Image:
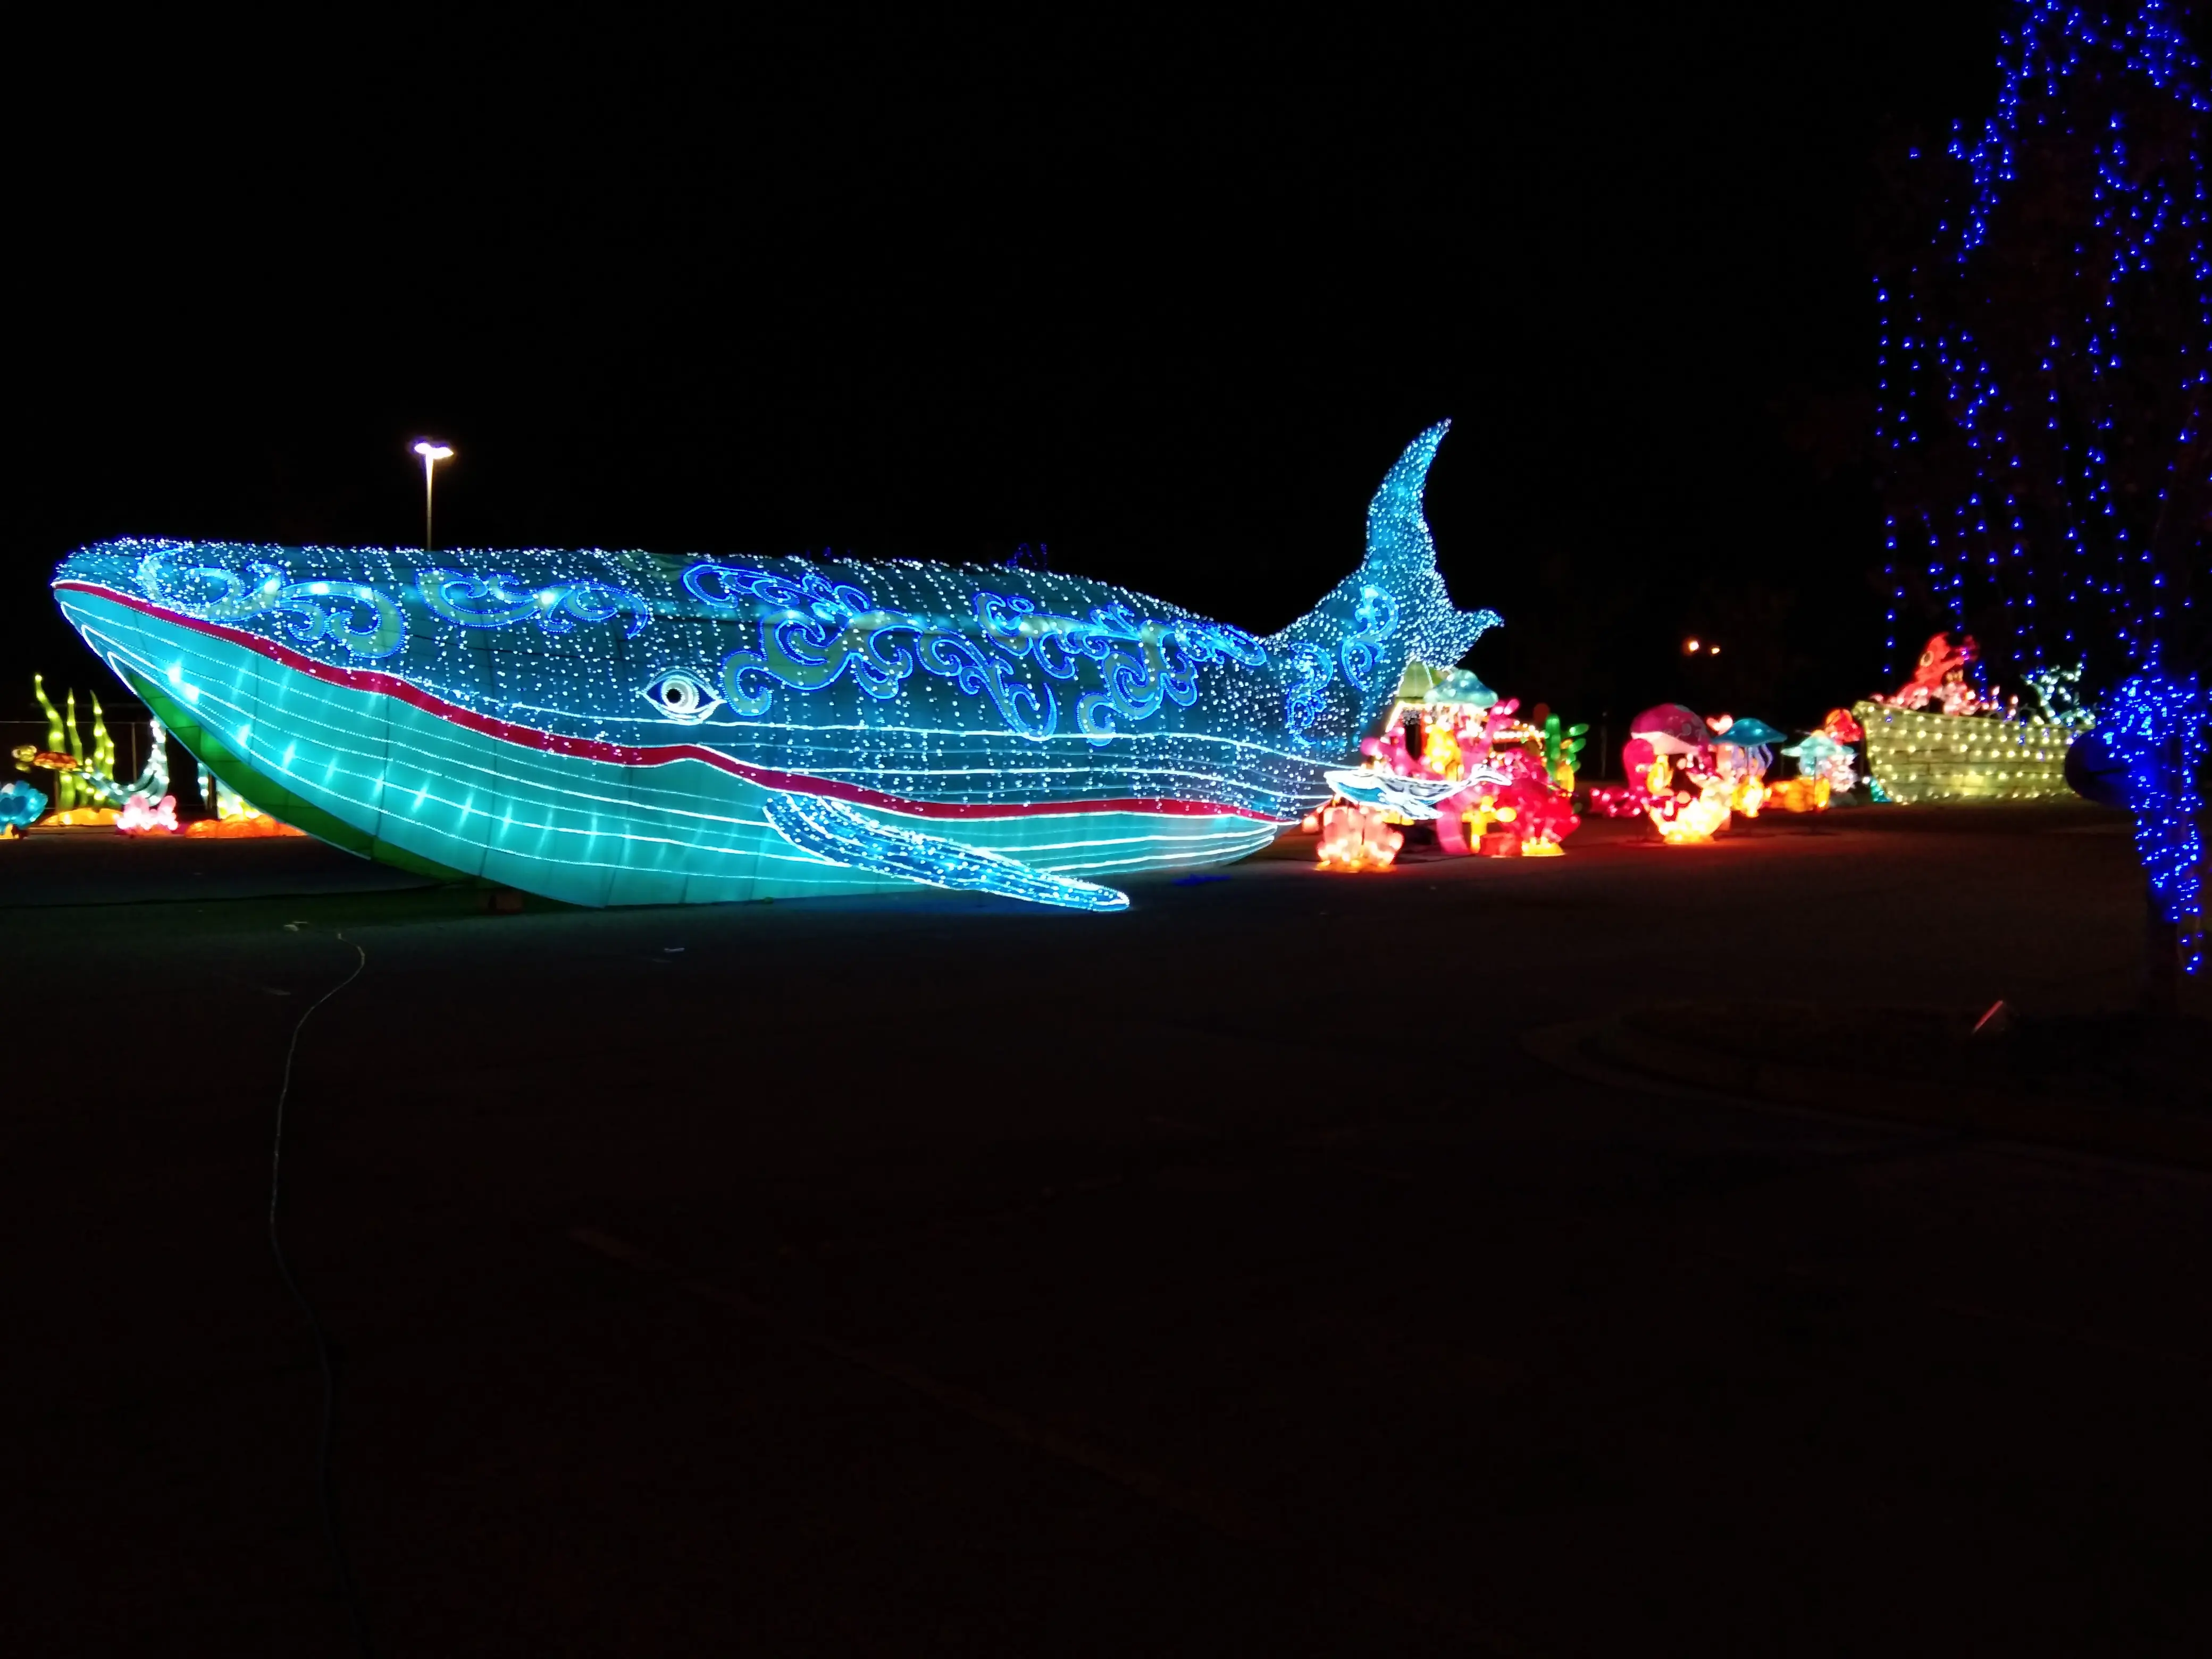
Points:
(1348, 653)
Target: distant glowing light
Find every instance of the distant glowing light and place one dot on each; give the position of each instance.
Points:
(432, 454)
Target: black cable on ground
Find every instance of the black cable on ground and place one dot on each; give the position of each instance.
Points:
(347, 1593)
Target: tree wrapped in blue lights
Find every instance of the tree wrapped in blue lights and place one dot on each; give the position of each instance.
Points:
(2045, 399)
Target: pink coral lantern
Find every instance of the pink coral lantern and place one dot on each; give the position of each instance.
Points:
(141, 816)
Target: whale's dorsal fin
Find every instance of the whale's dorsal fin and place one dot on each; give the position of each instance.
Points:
(833, 831)
(1352, 650)
(1397, 529)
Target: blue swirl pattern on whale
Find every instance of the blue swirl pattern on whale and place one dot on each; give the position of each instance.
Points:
(637, 728)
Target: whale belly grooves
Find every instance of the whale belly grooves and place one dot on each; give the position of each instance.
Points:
(632, 729)
(264, 794)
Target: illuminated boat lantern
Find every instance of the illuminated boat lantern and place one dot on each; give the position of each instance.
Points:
(636, 728)
(1938, 739)
(1920, 757)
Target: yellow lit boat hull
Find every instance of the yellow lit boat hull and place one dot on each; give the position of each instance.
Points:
(1920, 758)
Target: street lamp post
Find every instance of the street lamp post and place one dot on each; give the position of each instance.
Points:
(432, 454)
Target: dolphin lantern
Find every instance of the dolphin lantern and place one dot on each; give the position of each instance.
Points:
(636, 728)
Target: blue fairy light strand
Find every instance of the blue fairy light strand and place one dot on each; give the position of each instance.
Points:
(2161, 727)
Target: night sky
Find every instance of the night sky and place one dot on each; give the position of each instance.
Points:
(1167, 302)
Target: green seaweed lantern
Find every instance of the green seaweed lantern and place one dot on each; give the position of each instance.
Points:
(1563, 748)
(82, 779)
(66, 789)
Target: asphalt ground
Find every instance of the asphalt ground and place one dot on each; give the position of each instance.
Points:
(936, 1275)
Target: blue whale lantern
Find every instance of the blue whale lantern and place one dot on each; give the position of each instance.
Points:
(636, 728)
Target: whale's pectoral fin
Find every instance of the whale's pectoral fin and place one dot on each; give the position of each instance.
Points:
(830, 830)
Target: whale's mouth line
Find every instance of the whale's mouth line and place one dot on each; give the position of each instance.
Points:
(382, 682)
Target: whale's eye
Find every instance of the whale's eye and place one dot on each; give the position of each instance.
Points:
(682, 696)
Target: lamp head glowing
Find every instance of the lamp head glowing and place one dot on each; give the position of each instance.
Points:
(430, 452)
